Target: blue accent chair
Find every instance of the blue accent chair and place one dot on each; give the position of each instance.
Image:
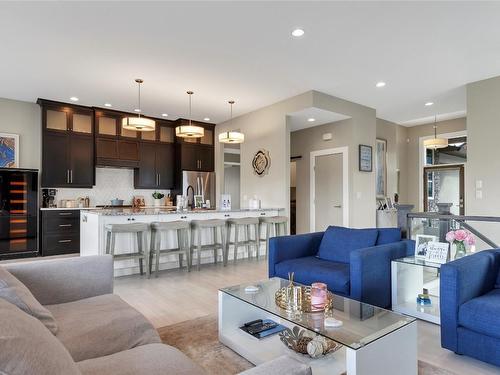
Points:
(470, 306)
(355, 263)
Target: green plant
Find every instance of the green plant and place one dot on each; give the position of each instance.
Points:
(158, 195)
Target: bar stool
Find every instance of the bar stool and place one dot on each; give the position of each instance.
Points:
(245, 223)
(276, 223)
(136, 229)
(215, 226)
(181, 229)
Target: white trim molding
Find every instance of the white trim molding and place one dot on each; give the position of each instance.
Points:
(345, 184)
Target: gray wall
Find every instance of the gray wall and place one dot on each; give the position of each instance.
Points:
(23, 118)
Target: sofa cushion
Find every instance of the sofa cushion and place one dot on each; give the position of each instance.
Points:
(152, 359)
(27, 347)
(308, 270)
(337, 242)
(15, 292)
(102, 325)
(481, 314)
(388, 235)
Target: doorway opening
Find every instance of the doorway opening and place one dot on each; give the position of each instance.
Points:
(444, 184)
(232, 173)
(329, 189)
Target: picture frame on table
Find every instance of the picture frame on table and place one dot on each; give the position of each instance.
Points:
(9, 150)
(422, 243)
(437, 252)
(365, 158)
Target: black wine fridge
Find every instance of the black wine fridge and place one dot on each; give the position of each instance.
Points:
(18, 213)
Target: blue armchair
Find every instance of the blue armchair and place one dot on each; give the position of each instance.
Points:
(355, 263)
(470, 306)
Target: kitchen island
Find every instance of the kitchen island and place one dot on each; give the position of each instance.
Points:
(93, 234)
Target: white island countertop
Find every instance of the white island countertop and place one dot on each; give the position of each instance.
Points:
(110, 211)
(93, 232)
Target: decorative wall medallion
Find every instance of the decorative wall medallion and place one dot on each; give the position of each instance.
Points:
(261, 162)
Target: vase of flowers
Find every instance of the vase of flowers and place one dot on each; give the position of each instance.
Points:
(460, 238)
(157, 197)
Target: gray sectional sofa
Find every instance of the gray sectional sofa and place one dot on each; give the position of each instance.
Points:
(60, 317)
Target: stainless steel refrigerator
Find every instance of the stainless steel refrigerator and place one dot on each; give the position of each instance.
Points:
(200, 184)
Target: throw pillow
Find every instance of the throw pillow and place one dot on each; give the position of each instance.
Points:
(388, 235)
(15, 292)
(338, 242)
(26, 347)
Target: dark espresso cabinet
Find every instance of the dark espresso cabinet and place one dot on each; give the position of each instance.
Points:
(156, 166)
(60, 232)
(195, 157)
(67, 145)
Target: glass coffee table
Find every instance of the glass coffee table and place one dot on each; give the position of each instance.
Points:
(375, 341)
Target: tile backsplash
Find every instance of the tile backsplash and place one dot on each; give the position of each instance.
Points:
(111, 183)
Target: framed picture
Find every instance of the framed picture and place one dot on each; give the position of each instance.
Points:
(437, 252)
(9, 150)
(365, 158)
(422, 243)
(381, 168)
(198, 201)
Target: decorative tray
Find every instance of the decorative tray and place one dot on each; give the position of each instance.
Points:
(298, 298)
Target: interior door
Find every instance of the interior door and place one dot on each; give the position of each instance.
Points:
(328, 194)
(444, 184)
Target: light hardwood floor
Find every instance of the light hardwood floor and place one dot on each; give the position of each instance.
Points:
(177, 295)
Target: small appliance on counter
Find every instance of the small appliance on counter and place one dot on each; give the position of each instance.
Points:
(49, 198)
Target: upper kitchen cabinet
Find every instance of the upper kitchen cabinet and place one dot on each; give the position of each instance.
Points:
(67, 145)
(156, 166)
(115, 146)
(196, 154)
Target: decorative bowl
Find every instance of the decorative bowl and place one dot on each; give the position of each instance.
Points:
(305, 342)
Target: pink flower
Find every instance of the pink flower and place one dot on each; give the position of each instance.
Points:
(460, 235)
(450, 236)
(471, 240)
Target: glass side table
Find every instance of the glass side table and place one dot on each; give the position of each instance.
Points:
(409, 277)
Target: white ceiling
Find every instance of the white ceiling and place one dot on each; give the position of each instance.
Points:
(299, 120)
(425, 51)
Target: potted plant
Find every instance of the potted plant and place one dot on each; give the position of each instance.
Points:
(157, 197)
(460, 238)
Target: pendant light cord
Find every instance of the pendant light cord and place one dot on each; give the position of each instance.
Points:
(139, 84)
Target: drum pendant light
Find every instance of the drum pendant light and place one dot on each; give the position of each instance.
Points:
(138, 123)
(231, 136)
(435, 143)
(189, 131)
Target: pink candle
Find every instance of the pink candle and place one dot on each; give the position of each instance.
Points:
(318, 295)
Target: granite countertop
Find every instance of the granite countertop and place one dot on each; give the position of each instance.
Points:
(164, 211)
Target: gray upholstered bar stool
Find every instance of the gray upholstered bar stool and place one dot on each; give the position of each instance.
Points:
(245, 225)
(276, 224)
(181, 229)
(136, 229)
(216, 227)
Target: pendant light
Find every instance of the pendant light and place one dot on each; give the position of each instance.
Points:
(435, 143)
(138, 123)
(189, 131)
(231, 136)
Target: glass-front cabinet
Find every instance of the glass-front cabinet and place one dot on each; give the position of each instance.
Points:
(410, 276)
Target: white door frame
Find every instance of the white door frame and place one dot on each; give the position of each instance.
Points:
(345, 184)
(422, 163)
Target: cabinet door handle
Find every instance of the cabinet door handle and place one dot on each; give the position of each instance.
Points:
(67, 176)
(65, 213)
(71, 175)
(201, 163)
(159, 179)
(65, 225)
(64, 241)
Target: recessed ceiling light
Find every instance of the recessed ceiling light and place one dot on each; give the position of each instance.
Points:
(380, 84)
(206, 119)
(311, 119)
(107, 104)
(137, 110)
(164, 114)
(428, 104)
(73, 99)
(298, 33)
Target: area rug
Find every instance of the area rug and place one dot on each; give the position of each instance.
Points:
(198, 339)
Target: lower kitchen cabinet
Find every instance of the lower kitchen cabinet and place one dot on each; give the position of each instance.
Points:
(60, 232)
